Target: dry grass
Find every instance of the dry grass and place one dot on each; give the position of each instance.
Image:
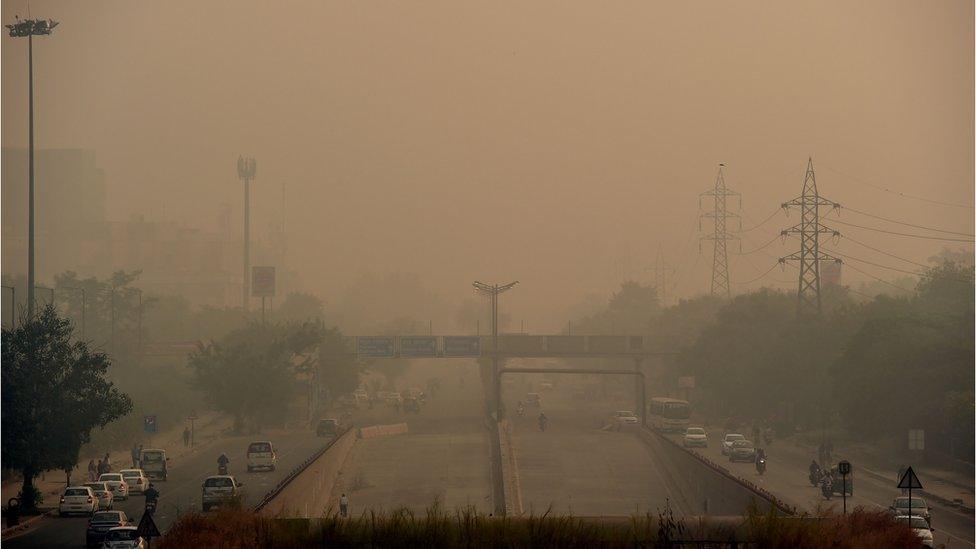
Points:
(237, 528)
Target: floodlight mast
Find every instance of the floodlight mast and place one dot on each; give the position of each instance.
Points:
(30, 28)
(493, 290)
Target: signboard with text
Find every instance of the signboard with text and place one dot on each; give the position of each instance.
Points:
(149, 424)
(375, 347)
(418, 346)
(462, 346)
(262, 281)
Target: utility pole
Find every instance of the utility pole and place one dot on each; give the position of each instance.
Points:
(30, 28)
(246, 168)
(719, 236)
(492, 291)
(809, 228)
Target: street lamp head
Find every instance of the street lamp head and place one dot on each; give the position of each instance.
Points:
(31, 27)
(246, 167)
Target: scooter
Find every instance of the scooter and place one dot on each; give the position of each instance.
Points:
(761, 465)
(222, 469)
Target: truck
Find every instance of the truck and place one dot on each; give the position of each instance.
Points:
(153, 462)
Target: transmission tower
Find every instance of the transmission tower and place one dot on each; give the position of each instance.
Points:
(663, 277)
(810, 228)
(720, 235)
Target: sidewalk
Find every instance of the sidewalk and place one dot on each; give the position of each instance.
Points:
(207, 428)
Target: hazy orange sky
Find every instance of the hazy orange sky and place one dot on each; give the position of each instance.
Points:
(545, 141)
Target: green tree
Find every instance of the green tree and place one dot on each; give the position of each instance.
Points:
(54, 394)
(299, 306)
(251, 372)
(338, 371)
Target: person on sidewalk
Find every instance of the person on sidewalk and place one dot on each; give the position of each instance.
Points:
(136, 451)
(186, 436)
(92, 470)
(101, 468)
(344, 506)
(108, 463)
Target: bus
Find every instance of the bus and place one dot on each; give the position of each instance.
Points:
(669, 414)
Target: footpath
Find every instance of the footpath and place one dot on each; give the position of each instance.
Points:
(52, 483)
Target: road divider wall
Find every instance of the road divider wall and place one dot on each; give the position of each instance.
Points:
(511, 485)
(383, 430)
(306, 492)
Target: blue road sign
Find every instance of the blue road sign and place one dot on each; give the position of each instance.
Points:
(462, 346)
(418, 346)
(375, 347)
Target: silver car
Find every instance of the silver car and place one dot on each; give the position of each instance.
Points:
(742, 450)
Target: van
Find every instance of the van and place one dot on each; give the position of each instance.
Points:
(261, 455)
(327, 427)
(153, 462)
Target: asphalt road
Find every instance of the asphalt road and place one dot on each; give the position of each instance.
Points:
(182, 491)
(786, 477)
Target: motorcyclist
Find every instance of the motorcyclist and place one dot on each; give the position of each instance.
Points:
(543, 421)
(521, 409)
(222, 462)
(761, 460)
(152, 496)
(827, 484)
(814, 468)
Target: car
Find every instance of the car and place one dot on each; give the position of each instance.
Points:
(100, 523)
(742, 450)
(695, 436)
(219, 489)
(899, 507)
(103, 493)
(154, 462)
(261, 455)
(920, 526)
(533, 400)
(411, 404)
(77, 499)
(136, 479)
(393, 399)
(120, 489)
(728, 440)
(124, 537)
(360, 395)
(383, 395)
(328, 427)
(625, 417)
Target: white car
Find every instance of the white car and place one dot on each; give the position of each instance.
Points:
(136, 479)
(261, 455)
(695, 436)
(920, 526)
(729, 440)
(394, 398)
(361, 395)
(625, 417)
(103, 493)
(219, 489)
(120, 489)
(123, 537)
(78, 499)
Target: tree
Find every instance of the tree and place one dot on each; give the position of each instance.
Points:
(299, 306)
(250, 373)
(338, 371)
(54, 394)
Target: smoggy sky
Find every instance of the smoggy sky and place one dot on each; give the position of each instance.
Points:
(544, 141)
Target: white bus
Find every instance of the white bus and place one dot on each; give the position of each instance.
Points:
(669, 414)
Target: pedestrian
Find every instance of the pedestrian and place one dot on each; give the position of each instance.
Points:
(101, 467)
(108, 463)
(135, 455)
(186, 436)
(92, 470)
(344, 505)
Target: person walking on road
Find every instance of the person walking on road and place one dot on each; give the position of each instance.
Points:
(92, 470)
(344, 506)
(101, 467)
(108, 463)
(186, 436)
(135, 455)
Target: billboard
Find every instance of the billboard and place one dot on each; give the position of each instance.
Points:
(418, 346)
(525, 344)
(375, 347)
(262, 281)
(462, 346)
(565, 344)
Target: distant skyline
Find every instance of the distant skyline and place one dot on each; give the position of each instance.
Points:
(551, 142)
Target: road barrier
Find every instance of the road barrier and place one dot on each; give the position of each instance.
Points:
(382, 430)
(274, 492)
(512, 484)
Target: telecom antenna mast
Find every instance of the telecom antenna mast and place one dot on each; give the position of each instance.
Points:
(720, 235)
(810, 228)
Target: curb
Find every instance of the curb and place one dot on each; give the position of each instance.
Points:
(24, 525)
(948, 503)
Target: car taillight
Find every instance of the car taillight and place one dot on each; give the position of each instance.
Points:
(62, 499)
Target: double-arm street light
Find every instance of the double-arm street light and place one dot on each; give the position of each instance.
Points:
(31, 28)
(492, 291)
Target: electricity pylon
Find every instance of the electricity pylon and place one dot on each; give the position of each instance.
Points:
(809, 228)
(719, 235)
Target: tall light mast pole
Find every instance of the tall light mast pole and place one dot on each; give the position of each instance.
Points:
(246, 168)
(20, 29)
(492, 291)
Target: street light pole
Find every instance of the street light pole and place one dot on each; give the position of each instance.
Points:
(492, 291)
(246, 168)
(13, 304)
(20, 29)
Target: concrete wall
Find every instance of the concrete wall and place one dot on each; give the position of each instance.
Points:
(511, 485)
(307, 495)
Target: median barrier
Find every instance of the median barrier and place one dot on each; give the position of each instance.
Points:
(511, 485)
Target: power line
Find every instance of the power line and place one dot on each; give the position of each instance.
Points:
(760, 248)
(760, 277)
(906, 224)
(914, 273)
(910, 235)
(881, 280)
(761, 223)
(924, 266)
(899, 193)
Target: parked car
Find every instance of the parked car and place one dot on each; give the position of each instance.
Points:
(218, 490)
(742, 450)
(120, 489)
(100, 523)
(123, 537)
(920, 525)
(103, 493)
(625, 417)
(154, 462)
(136, 479)
(261, 455)
(728, 440)
(695, 436)
(533, 400)
(327, 427)
(899, 507)
(77, 499)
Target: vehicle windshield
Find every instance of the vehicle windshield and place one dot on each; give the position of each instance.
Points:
(742, 444)
(259, 447)
(111, 477)
(695, 431)
(917, 503)
(222, 482)
(97, 486)
(107, 516)
(625, 413)
(127, 534)
(677, 411)
(915, 522)
(732, 438)
(76, 492)
(150, 457)
(132, 473)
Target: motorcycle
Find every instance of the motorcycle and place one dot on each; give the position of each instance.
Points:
(761, 465)
(827, 488)
(814, 477)
(543, 423)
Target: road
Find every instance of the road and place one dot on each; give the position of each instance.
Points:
(786, 477)
(182, 491)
